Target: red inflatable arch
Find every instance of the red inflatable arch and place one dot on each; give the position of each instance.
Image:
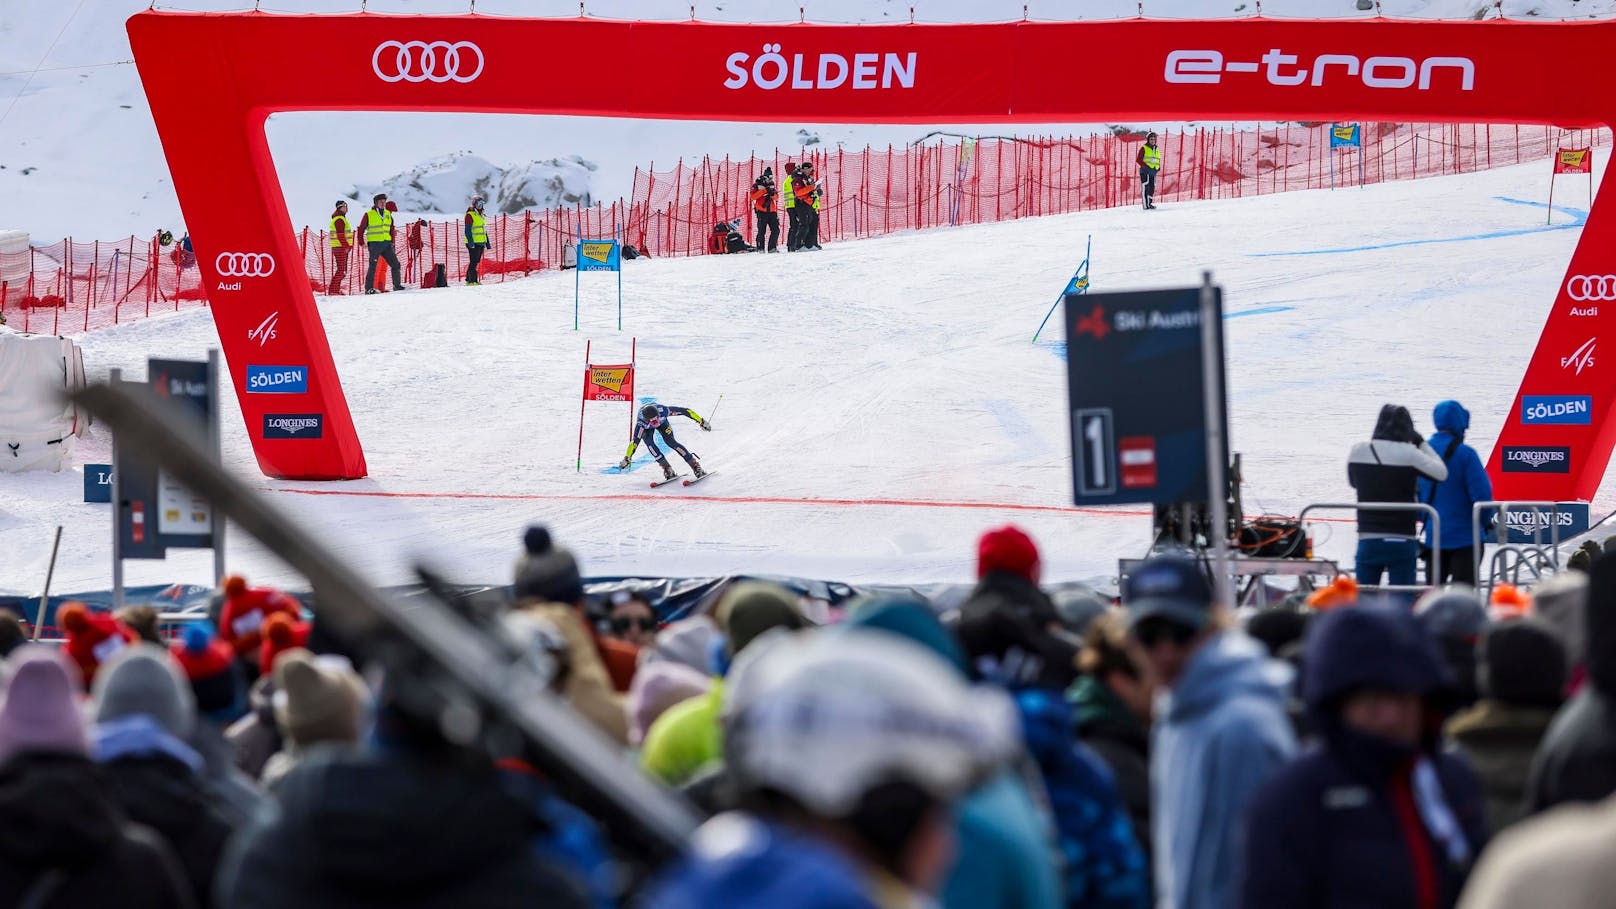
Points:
(212, 80)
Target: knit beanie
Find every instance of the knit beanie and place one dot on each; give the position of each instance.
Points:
(40, 712)
(210, 666)
(318, 699)
(655, 688)
(1523, 663)
(1561, 602)
(545, 572)
(1510, 602)
(1343, 591)
(1453, 612)
(142, 680)
(687, 641)
(749, 608)
(281, 633)
(1008, 549)
(245, 611)
(92, 637)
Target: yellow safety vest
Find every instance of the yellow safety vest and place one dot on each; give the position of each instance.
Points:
(379, 226)
(816, 202)
(336, 236)
(479, 226)
(790, 197)
(1153, 157)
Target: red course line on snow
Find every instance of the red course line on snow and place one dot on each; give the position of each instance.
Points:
(738, 500)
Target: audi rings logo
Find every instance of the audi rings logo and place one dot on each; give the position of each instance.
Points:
(1583, 288)
(427, 61)
(245, 265)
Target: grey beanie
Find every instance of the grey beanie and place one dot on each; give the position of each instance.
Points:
(545, 572)
(143, 679)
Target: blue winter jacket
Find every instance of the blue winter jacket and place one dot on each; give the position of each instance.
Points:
(1467, 481)
(1341, 827)
(738, 860)
(1222, 733)
(1105, 868)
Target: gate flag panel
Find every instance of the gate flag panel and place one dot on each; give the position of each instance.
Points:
(237, 69)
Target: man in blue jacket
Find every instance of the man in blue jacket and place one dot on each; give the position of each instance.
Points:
(1221, 730)
(1379, 813)
(1453, 498)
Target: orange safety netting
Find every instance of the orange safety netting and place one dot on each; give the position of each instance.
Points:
(69, 287)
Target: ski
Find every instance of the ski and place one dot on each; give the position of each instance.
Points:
(700, 478)
(657, 483)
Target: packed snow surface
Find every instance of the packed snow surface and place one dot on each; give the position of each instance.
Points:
(882, 402)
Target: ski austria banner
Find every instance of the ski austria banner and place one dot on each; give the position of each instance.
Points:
(612, 382)
(258, 64)
(1574, 161)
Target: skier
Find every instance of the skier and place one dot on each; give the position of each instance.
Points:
(655, 418)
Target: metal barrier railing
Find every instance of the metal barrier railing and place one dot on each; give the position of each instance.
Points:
(1524, 555)
(1434, 519)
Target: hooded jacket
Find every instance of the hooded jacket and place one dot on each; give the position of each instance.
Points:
(1577, 761)
(358, 831)
(60, 816)
(1222, 733)
(1005, 855)
(1387, 468)
(154, 778)
(1359, 820)
(1467, 481)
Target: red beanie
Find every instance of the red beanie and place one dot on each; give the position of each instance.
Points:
(281, 633)
(92, 637)
(1008, 549)
(245, 611)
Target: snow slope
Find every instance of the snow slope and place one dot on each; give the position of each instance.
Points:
(79, 155)
(895, 369)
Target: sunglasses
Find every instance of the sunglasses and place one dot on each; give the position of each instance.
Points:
(643, 623)
(1153, 631)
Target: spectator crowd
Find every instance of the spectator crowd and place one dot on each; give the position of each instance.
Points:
(1016, 750)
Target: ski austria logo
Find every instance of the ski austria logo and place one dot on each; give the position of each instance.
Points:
(244, 265)
(427, 61)
(1537, 460)
(277, 380)
(293, 425)
(1581, 358)
(1094, 323)
(1557, 410)
(1206, 67)
(265, 331)
(771, 70)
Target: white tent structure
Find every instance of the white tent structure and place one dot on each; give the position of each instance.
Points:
(37, 425)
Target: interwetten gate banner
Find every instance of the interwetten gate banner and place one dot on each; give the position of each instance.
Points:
(212, 80)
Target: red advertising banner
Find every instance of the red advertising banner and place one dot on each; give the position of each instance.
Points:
(609, 383)
(254, 64)
(1574, 161)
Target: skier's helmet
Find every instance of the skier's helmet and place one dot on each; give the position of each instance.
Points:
(650, 414)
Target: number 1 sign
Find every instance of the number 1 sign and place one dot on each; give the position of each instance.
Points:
(1136, 387)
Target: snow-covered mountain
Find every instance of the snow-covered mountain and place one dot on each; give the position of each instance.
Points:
(443, 185)
(79, 154)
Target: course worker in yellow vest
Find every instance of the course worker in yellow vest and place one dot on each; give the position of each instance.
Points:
(341, 245)
(476, 237)
(376, 228)
(1149, 160)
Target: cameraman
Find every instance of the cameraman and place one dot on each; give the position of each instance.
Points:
(1388, 468)
(764, 206)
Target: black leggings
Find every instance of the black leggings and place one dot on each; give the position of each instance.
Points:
(672, 443)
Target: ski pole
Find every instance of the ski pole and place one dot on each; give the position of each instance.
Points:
(712, 413)
(44, 598)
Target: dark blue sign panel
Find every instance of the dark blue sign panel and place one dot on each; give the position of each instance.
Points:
(1137, 405)
(98, 482)
(1538, 524)
(182, 519)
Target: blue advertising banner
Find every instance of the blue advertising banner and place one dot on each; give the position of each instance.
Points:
(98, 482)
(1345, 135)
(599, 255)
(1537, 524)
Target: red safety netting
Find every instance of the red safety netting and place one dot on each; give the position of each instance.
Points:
(69, 287)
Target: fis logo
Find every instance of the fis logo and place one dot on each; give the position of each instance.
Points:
(265, 332)
(1581, 358)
